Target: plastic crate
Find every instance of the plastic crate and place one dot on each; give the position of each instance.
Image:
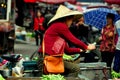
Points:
(30, 65)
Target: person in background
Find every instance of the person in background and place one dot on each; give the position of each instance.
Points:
(107, 45)
(79, 29)
(59, 28)
(38, 26)
(47, 17)
(116, 63)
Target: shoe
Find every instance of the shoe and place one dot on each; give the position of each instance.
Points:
(3, 65)
(4, 62)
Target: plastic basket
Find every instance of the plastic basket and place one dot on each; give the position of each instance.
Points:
(30, 65)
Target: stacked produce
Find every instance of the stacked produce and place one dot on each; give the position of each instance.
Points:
(53, 77)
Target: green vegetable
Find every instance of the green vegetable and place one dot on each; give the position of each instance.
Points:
(67, 57)
(29, 34)
(53, 77)
(1, 78)
(115, 74)
(35, 58)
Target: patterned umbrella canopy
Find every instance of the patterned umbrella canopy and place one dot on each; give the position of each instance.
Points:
(97, 17)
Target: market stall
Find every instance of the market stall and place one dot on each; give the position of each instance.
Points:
(7, 20)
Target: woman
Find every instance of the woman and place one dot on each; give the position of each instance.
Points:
(116, 62)
(38, 26)
(107, 46)
(59, 28)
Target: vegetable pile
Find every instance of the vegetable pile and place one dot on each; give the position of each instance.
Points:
(67, 57)
(71, 57)
(53, 77)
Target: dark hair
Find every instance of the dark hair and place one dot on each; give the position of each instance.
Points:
(111, 16)
(38, 10)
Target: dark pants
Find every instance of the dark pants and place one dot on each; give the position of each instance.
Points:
(71, 69)
(107, 57)
(39, 33)
(116, 64)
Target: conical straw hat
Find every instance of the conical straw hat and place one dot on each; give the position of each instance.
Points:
(63, 11)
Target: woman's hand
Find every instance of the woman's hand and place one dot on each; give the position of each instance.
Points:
(81, 50)
(100, 38)
(91, 47)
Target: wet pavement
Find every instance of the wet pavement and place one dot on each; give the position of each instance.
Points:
(25, 48)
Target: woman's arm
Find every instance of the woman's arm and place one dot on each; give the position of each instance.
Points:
(71, 51)
(64, 32)
(35, 24)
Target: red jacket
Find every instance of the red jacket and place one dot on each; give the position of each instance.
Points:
(59, 29)
(38, 23)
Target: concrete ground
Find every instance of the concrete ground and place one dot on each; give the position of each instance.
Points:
(25, 48)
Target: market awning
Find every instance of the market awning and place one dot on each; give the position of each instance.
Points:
(113, 1)
(51, 1)
(30, 1)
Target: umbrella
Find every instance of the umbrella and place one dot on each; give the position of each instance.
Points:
(97, 17)
(57, 1)
(30, 1)
(51, 1)
(113, 1)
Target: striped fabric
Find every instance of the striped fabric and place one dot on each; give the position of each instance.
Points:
(97, 17)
